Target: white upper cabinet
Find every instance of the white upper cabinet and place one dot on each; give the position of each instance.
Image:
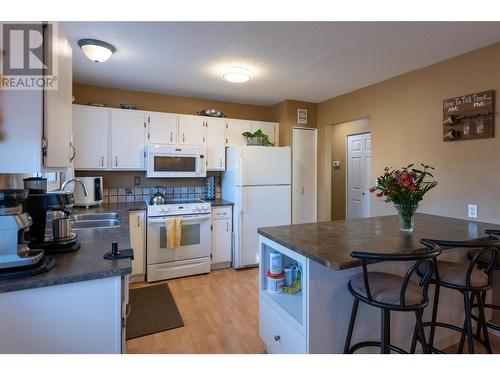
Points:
(234, 128)
(192, 130)
(35, 125)
(216, 130)
(162, 128)
(268, 128)
(128, 133)
(90, 135)
(57, 104)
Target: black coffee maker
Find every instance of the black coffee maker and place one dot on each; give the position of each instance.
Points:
(54, 207)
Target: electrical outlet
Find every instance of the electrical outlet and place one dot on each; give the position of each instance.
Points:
(472, 209)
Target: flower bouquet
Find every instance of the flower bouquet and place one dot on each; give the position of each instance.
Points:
(405, 188)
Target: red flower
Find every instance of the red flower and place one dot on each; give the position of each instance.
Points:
(373, 189)
(412, 187)
(406, 183)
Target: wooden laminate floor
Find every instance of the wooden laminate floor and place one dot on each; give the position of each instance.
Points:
(220, 313)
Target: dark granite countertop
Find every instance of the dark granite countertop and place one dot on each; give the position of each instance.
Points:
(86, 263)
(219, 202)
(331, 243)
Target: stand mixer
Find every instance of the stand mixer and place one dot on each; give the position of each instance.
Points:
(16, 258)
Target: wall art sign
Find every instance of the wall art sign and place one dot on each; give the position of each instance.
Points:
(469, 117)
(301, 116)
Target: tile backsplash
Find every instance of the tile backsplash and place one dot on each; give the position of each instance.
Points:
(141, 194)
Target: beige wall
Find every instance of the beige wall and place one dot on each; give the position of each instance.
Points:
(166, 103)
(286, 114)
(406, 126)
(338, 181)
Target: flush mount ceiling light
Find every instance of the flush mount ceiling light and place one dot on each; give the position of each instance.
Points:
(96, 50)
(236, 74)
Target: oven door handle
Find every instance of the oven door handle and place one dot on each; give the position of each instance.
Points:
(184, 220)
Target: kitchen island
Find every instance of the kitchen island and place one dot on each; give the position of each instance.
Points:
(315, 320)
(79, 305)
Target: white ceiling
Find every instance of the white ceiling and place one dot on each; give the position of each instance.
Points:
(310, 61)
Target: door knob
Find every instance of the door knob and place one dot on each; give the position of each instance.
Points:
(277, 338)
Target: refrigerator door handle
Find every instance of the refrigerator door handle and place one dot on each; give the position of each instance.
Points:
(240, 161)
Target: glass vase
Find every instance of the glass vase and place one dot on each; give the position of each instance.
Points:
(406, 214)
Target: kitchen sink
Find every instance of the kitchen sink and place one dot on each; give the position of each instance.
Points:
(95, 220)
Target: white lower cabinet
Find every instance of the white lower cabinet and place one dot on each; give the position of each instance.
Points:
(221, 236)
(137, 225)
(278, 335)
(86, 317)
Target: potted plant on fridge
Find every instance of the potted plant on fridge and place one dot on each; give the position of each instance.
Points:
(257, 138)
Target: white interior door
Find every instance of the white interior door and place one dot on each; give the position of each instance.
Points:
(304, 175)
(358, 175)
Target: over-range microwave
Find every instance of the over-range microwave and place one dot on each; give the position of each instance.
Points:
(176, 161)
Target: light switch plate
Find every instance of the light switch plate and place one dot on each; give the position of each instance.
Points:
(472, 211)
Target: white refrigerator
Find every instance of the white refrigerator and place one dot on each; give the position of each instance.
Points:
(258, 181)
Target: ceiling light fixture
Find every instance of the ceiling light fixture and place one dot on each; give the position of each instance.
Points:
(236, 74)
(96, 50)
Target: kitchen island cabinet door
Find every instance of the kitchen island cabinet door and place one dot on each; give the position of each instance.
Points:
(192, 130)
(128, 133)
(216, 151)
(90, 137)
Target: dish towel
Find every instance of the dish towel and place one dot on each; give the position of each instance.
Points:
(174, 232)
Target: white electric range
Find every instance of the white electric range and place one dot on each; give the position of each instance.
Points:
(193, 255)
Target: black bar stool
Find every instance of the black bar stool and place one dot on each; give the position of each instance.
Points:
(483, 261)
(392, 292)
(469, 279)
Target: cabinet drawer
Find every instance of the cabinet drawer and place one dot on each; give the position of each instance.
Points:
(223, 212)
(278, 335)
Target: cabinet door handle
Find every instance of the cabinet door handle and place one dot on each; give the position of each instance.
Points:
(102, 161)
(171, 137)
(138, 221)
(74, 152)
(203, 139)
(302, 190)
(220, 162)
(116, 161)
(277, 338)
(183, 138)
(227, 226)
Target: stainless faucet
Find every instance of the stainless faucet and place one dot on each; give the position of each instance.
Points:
(75, 180)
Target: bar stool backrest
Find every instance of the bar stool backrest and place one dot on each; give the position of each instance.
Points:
(489, 246)
(424, 260)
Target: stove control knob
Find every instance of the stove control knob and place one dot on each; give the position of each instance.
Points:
(198, 208)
